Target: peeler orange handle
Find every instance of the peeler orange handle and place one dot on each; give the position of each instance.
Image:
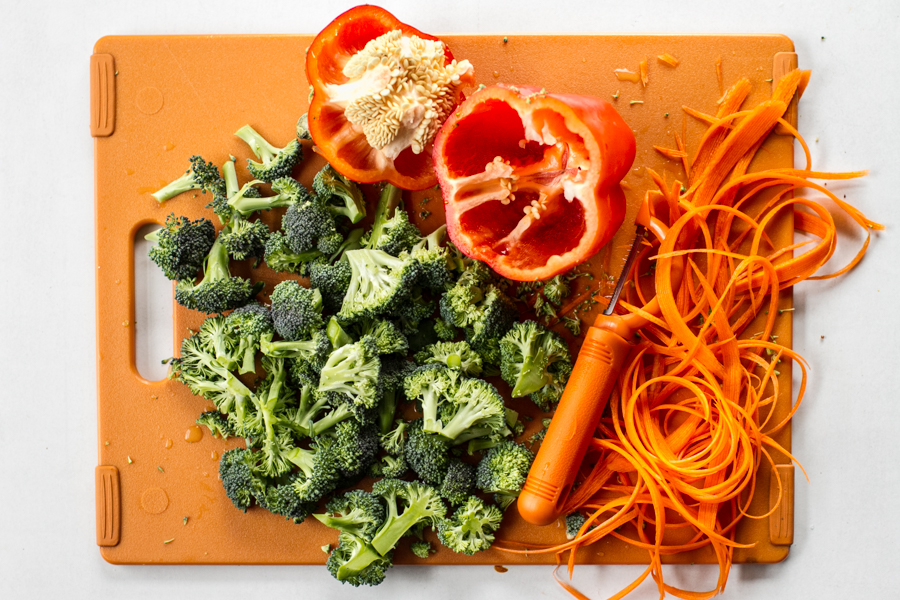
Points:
(600, 359)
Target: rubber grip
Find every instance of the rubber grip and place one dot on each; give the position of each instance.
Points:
(587, 392)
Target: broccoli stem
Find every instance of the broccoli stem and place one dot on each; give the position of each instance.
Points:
(358, 563)
(341, 413)
(260, 147)
(185, 183)
(394, 528)
(247, 206)
(533, 377)
(229, 174)
(386, 412)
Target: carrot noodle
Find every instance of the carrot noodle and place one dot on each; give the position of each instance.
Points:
(695, 414)
(645, 79)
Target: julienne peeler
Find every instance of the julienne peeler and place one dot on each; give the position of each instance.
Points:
(606, 345)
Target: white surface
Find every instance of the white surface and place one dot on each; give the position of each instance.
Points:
(845, 434)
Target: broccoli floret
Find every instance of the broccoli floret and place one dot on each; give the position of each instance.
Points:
(395, 236)
(310, 226)
(332, 277)
(379, 284)
(282, 500)
(319, 473)
(496, 314)
(444, 330)
(182, 246)
(394, 440)
(355, 448)
(274, 162)
(408, 505)
(353, 372)
(556, 289)
(217, 423)
(337, 335)
(458, 482)
(296, 310)
(503, 470)
(237, 472)
(331, 186)
(437, 272)
(471, 528)
(201, 175)
(546, 397)
(427, 454)
(269, 400)
(475, 408)
(246, 239)
(388, 201)
(529, 355)
(218, 291)
(198, 368)
(219, 339)
(574, 522)
(432, 385)
(460, 304)
(249, 324)
(313, 351)
(422, 549)
(389, 466)
(453, 355)
(354, 561)
(386, 335)
(279, 256)
(356, 512)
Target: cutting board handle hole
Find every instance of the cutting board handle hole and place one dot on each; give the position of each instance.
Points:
(152, 311)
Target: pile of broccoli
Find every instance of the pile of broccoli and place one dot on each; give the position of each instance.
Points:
(368, 378)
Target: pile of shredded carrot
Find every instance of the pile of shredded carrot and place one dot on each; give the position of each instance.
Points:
(673, 465)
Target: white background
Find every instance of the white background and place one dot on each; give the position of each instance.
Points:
(846, 433)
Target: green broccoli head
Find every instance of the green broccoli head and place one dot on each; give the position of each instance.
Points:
(422, 549)
(332, 280)
(435, 266)
(549, 395)
(354, 561)
(218, 291)
(444, 330)
(471, 528)
(453, 355)
(296, 310)
(273, 162)
(219, 339)
(458, 482)
(379, 284)
(395, 235)
(529, 354)
(503, 469)
(386, 335)
(389, 466)
(496, 314)
(409, 504)
(353, 372)
(248, 200)
(282, 500)
(246, 239)
(574, 522)
(201, 175)
(394, 441)
(249, 324)
(342, 196)
(460, 304)
(310, 226)
(357, 512)
(318, 472)
(237, 470)
(217, 423)
(433, 385)
(182, 246)
(474, 409)
(427, 454)
(355, 448)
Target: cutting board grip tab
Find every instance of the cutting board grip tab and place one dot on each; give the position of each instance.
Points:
(103, 95)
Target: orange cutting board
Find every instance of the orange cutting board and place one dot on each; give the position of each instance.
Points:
(155, 101)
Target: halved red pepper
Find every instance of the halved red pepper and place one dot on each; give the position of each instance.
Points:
(530, 180)
(344, 140)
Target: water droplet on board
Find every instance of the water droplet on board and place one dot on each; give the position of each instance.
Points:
(168, 444)
(193, 434)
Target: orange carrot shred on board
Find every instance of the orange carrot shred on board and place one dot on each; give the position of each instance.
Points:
(645, 78)
(700, 403)
(668, 59)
